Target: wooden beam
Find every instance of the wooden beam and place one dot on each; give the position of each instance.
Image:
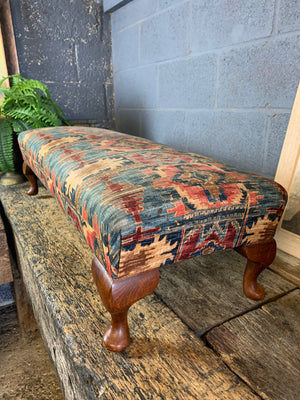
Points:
(164, 360)
(8, 38)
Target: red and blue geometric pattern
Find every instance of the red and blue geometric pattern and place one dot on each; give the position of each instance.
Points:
(141, 205)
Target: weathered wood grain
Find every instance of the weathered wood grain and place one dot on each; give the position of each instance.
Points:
(24, 310)
(287, 266)
(25, 315)
(263, 347)
(5, 267)
(206, 291)
(8, 319)
(165, 359)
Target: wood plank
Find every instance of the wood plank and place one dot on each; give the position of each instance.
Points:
(206, 291)
(290, 153)
(3, 68)
(24, 310)
(113, 5)
(5, 266)
(7, 29)
(286, 175)
(263, 346)
(288, 242)
(25, 314)
(287, 266)
(8, 320)
(165, 360)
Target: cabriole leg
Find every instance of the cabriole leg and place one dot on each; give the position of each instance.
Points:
(118, 295)
(259, 256)
(27, 171)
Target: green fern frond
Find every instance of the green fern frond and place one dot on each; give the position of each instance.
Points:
(4, 79)
(57, 109)
(6, 146)
(15, 79)
(20, 126)
(26, 115)
(29, 101)
(27, 104)
(34, 97)
(4, 90)
(48, 112)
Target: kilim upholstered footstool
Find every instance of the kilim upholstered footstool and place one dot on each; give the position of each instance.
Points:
(141, 205)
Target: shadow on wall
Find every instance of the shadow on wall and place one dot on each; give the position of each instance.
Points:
(161, 126)
(199, 132)
(128, 121)
(222, 135)
(67, 45)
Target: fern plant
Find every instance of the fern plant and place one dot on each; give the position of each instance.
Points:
(27, 104)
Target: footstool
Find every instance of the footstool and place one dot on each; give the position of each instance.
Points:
(141, 205)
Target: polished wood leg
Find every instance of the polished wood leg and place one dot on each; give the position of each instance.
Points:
(259, 256)
(118, 295)
(27, 171)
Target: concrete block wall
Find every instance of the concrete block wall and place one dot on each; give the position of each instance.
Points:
(216, 77)
(67, 45)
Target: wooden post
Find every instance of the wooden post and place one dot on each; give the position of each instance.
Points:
(8, 38)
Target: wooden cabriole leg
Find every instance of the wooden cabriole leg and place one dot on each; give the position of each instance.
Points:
(27, 171)
(118, 295)
(259, 256)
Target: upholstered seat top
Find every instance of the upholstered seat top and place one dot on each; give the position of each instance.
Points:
(141, 205)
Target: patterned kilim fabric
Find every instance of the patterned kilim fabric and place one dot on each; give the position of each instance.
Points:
(141, 205)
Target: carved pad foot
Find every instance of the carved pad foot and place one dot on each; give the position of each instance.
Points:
(117, 296)
(27, 171)
(117, 335)
(259, 256)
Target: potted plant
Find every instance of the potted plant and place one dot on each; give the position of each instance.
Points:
(26, 105)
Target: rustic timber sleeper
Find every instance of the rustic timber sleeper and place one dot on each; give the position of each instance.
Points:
(141, 205)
